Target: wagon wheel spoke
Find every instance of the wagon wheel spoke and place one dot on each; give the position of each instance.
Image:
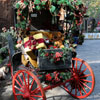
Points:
(20, 79)
(19, 94)
(84, 76)
(86, 85)
(32, 84)
(19, 89)
(80, 90)
(18, 83)
(81, 66)
(28, 81)
(83, 71)
(86, 80)
(39, 96)
(24, 79)
(83, 88)
(35, 90)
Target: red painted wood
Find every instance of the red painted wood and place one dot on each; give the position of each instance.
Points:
(80, 86)
(27, 85)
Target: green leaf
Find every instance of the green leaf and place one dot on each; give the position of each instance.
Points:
(51, 60)
(17, 25)
(23, 26)
(38, 7)
(42, 54)
(26, 3)
(17, 5)
(64, 2)
(43, 3)
(37, 2)
(54, 1)
(78, 2)
(52, 9)
(23, 22)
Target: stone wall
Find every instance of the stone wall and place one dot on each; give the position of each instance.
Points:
(6, 14)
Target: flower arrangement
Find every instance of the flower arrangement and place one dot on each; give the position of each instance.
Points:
(55, 77)
(55, 56)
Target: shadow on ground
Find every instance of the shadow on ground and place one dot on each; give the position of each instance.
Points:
(61, 97)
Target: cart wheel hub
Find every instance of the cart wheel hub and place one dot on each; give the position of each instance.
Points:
(26, 95)
(76, 77)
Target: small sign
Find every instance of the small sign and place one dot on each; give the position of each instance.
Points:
(92, 35)
(33, 15)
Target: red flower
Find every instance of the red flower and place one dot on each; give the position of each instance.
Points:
(47, 54)
(19, 14)
(48, 77)
(58, 59)
(22, 0)
(57, 55)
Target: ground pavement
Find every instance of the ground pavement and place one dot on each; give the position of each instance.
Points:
(90, 52)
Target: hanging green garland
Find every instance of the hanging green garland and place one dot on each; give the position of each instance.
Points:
(24, 7)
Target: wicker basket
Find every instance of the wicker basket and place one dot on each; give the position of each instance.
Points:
(46, 65)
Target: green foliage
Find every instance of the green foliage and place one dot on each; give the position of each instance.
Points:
(52, 9)
(4, 50)
(65, 76)
(17, 6)
(55, 77)
(65, 53)
(1, 60)
(3, 54)
(93, 7)
(43, 3)
(38, 8)
(12, 31)
(26, 3)
(37, 2)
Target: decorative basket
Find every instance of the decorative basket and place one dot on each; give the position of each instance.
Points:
(46, 65)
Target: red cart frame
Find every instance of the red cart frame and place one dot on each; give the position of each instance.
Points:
(27, 86)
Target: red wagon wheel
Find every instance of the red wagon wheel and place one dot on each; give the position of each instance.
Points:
(26, 86)
(83, 80)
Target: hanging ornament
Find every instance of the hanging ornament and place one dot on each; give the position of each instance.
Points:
(30, 6)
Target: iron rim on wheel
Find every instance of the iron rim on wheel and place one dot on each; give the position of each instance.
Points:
(26, 86)
(83, 80)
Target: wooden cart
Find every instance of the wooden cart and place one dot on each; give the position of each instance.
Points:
(27, 83)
